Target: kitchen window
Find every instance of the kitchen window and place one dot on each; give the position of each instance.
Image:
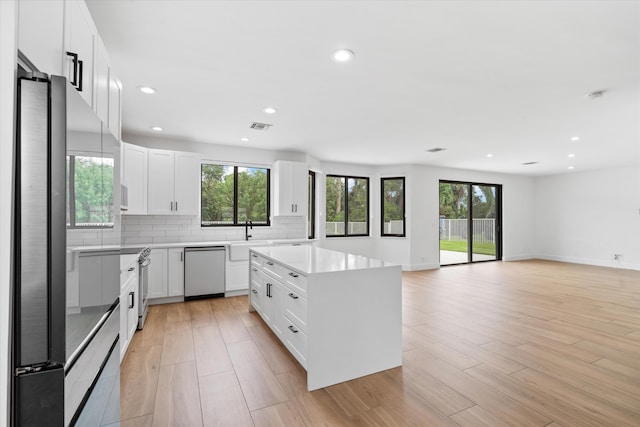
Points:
(89, 192)
(393, 208)
(347, 206)
(232, 195)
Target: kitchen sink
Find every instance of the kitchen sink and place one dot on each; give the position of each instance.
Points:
(239, 251)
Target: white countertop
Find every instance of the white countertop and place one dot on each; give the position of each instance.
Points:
(312, 260)
(215, 243)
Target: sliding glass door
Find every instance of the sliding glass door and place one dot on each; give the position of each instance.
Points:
(470, 229)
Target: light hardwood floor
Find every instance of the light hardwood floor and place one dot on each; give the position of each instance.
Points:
(531, 343)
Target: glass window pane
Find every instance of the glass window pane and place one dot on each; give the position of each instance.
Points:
(358, 202)
(217, 187)
(335, 206)
(93, 191)
(393, 206)
(252, 195)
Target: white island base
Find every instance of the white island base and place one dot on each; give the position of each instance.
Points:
(340, 315)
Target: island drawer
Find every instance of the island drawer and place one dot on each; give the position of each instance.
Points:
(296, 281)
(296, 341)
(257, 260)
(275, 269)
(296, 309)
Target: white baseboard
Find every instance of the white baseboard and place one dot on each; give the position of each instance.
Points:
(418, 267)
(595, 262)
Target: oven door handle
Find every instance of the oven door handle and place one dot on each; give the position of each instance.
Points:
(146, 262)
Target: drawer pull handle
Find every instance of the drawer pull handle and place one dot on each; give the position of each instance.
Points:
(292, 329)
(131, 268)
(254, 269)
(254, 255)
(269, 263)
(254, 291)
(293, 275)
(294, 296)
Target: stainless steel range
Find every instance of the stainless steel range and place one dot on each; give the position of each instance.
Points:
(144, 260)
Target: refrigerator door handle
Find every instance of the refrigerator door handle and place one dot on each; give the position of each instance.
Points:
(58, 227)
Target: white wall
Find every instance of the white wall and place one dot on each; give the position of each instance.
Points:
(8, 54)
(587, 217)
(420, 249)
(517, 213)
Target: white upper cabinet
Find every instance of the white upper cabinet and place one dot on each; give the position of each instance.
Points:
(173, 184)
(134, 177)
(102, 83)
(290, 184)
(115, 102)
(187, 183)
(80, 42)
(41, 32)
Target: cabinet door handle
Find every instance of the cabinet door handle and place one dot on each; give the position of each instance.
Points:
(171, 206)
(80, 74)
(296, 207)
(294, 296)
(132, 295)
(74, 80)
(181, 256)
(292, 329)
(293, 275)
(176, 206)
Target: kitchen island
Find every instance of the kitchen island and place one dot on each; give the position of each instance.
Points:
(339, 314)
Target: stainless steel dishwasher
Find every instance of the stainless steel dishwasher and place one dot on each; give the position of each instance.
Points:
(204, 272)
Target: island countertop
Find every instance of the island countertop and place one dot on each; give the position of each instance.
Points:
(311, 260)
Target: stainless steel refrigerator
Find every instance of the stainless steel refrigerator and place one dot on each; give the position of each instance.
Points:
(65, 322)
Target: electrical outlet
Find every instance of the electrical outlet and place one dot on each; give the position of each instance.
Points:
(617, 257)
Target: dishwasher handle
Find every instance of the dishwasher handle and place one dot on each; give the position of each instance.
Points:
(204, 248)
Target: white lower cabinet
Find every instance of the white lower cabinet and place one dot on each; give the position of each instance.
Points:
(175, 272)
(166, 273)
(128, 308)
(158, 274)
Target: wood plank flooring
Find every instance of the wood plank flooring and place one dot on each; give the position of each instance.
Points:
(530, 343)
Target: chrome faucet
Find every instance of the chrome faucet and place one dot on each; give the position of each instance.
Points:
(247, 225)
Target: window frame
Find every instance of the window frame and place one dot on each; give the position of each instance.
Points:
(404, 206)
(346, 206)
(71, 188)
(311, 220)
(235, 195)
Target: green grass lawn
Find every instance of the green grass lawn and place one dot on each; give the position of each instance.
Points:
(461, 246)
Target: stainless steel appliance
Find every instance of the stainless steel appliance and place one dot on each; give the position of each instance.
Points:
(66, 295)
(204, 275)
(144, 260)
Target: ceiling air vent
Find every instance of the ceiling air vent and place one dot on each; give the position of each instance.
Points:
(530, 163)
(435, 150)
(260, 126)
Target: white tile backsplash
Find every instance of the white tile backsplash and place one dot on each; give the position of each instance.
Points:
(176, 229)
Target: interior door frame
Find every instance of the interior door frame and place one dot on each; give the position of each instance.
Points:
(498, 236)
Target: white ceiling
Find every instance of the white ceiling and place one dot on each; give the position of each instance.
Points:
(474, 77)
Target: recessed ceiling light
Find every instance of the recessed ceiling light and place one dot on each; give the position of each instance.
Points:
(146, 89)
(570, 167)
(342, 55)
(269, 110)
(156, 128)
(572, 155)
(244, 139)
(489, 155)
(575, 138)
